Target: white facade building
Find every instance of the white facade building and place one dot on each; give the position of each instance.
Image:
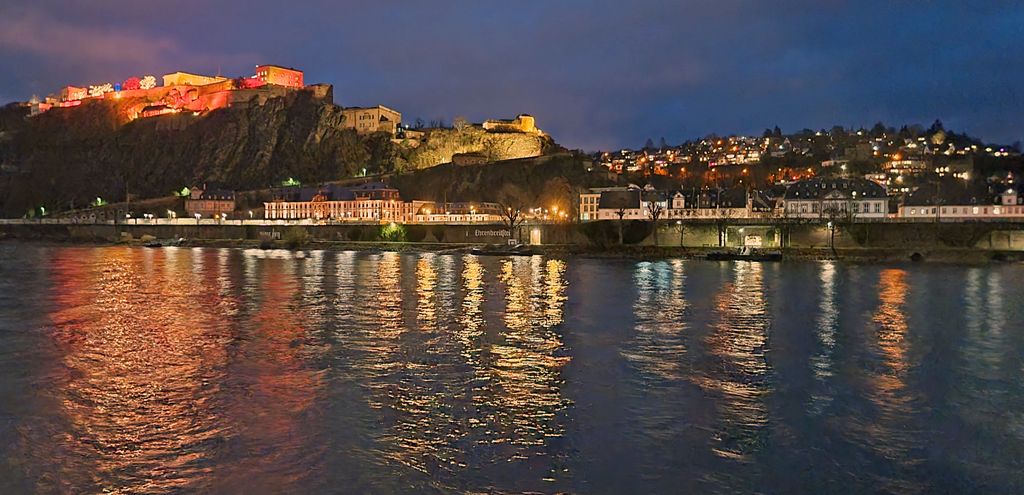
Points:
(826, 198)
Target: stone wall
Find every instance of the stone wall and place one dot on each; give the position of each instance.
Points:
(441, 145)
(694, 235)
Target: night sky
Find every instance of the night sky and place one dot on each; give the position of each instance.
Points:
(597, 75)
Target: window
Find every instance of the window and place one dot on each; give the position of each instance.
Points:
(814, 207)
(878, 207)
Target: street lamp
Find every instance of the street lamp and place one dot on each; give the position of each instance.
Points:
(198, 216)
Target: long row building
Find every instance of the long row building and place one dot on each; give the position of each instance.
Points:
(821, 199)
(373, 202)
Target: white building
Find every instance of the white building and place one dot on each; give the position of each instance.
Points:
(829, 198)
(1009, 205)
(636, 204)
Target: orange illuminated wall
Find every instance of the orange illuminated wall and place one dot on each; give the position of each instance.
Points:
(282, 76)
(71, 93)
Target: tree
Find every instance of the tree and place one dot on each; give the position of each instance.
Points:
(662, 144)
(654, 211)
(513, 200)
(460, 123)
(381, 153)
(777, 132)
(100, 89)
(649, 144)
(147, 82)
(621, 212)
(130, 84)
(558, 192)
(418, 124)
(836, 213)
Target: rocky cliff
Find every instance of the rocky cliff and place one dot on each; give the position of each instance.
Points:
(67, 157)
(443, 145)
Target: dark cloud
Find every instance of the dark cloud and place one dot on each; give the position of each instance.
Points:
(597, 74)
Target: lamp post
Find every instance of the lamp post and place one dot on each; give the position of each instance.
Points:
(198, 216)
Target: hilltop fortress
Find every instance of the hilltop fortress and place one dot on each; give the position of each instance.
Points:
(197, 94)
(186, 92)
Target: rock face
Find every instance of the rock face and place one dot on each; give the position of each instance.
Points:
(66, 158)
(443, 146)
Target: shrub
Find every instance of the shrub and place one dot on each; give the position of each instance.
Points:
(392, 232)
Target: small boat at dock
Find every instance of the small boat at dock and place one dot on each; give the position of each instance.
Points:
(516, 250)
(745, 254)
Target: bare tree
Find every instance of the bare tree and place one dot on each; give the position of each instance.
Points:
(654, 212)
(512, 216)
(621, 212)
(513, 201)
(837, 214)
(460, 123)
(722, 216)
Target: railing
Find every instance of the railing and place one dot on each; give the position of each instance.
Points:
(753, 219)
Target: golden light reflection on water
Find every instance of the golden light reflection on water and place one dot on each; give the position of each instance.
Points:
(447, 379)
(471, 319)
(740, 382)
(143, 352)
(522, 390)
(888, 429)
(426, 280)
(213, 371)
(892, 326)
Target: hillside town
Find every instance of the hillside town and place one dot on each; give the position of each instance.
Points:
(840, 175)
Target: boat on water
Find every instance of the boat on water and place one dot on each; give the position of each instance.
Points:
(516, 250)
(155, 243)
(745, 254)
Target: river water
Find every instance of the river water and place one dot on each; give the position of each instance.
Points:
(133, 370)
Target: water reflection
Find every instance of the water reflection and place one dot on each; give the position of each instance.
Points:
(212, 371)
(738, 375)
(658, 348)
(521, 383)
(457, 390)
(828, 319)
(889, 429)
(144, 356)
